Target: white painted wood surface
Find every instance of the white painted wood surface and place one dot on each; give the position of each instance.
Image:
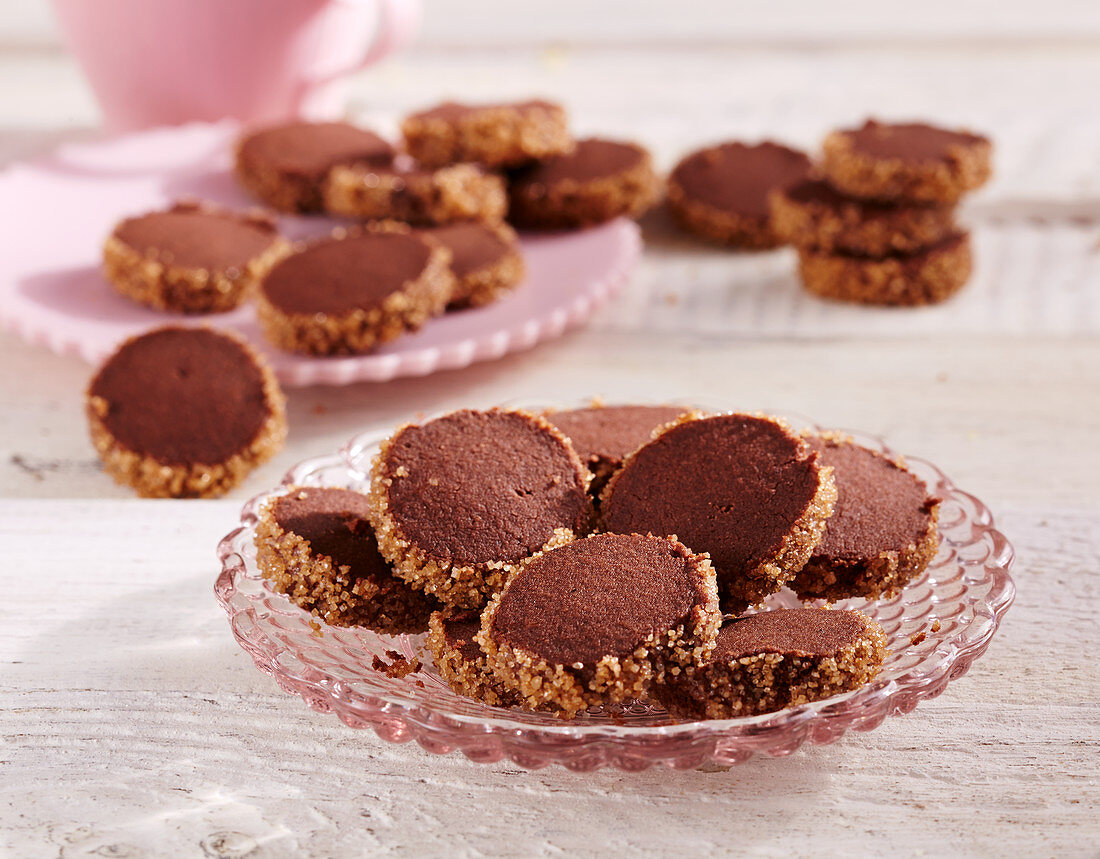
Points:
(131, 724)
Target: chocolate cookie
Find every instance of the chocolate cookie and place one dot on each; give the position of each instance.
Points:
(882, 533)
(496, 135)
(316, 545)
(458, 192)
(925, 277)
(908, 161)
(815, 216)
(485, 260)
(354, 291)
(604, 435)
(192, 258)
(286, 165)
(765, 662)
(742, 488)
(721, 193)
(184, 412)
(460, 502)
(462, 662)
(597, 181)
(595, 621)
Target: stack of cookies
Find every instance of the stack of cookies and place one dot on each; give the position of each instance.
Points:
(878, 225)
(540, 592)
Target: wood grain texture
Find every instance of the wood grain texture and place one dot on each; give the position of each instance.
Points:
(133, 724)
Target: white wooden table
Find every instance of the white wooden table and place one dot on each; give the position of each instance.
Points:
(131, 724)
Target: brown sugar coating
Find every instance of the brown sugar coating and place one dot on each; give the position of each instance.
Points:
(315, 545)
(459, 501)
(910, 161)
(721, 193)
(882, 533)
(597, 181)
(457, 192)
(462, 662)
(191, 258)
(594, 621)
(928, 276)
(354, 291)
(184, 412)
(604, 435)
(286, 165)
(815, 216)
(742, 488)
(496, 135)
(485, 259)
(775, 659)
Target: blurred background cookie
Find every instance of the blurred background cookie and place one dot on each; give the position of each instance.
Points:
(721, 193)
(486, 260)
(191, 258)
(599, 180)
(285, 166)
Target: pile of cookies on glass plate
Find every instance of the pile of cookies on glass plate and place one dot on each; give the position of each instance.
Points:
(873, 223)
(595, 556)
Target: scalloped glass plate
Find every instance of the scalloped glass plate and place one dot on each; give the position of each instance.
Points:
(967, 589)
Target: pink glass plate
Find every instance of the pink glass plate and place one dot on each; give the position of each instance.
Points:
(967, 588)
(55, 213)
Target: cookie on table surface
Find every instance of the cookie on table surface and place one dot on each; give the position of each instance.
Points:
(192, 257)
(286, 165)
(462, 662)
(882, 533)
(496, 135)
(775, 659)
(596, 621)
(927, 276)
(815, 216)
(604, 435)
(184, 412)
(485, 259)
(743, 488)
(456, 192)
(721, 193)
(316, 545)
(460, 502)
(354, 291)
(909, 161)
(597, 181)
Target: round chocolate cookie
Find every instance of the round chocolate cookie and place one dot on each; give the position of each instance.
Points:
(882, 533)
(458, 192)
(775, 659)
(908, 161)
(928, 276)
(602, 436)
(597, 181)
(462, 501)
(191, 258)
(742, 488)
(184, 412)
(815, 216)
(485, 260)
(496, 135)
(721, 193)
(596, 621)
(316, 545)
(462, 662)
(286, 165)
(354, 291)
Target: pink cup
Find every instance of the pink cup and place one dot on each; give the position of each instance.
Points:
(166, 62)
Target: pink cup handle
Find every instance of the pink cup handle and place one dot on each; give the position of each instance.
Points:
(398, 21)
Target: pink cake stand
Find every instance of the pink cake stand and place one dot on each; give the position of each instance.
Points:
(57, 211)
